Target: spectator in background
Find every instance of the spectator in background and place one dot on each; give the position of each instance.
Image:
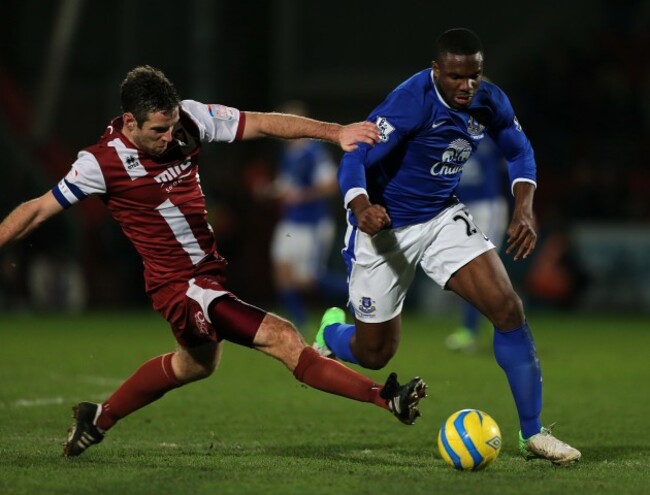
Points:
(302, 239)
(482, 189)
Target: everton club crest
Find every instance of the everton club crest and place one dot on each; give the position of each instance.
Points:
(367, 306)
(475, 129)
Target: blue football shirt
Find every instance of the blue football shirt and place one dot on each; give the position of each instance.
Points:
(415, 168)
(483, 177)
(302, 167)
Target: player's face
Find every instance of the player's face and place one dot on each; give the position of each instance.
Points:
(155, 133)
(458, 77)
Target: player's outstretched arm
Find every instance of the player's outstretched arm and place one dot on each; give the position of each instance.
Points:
(289, 126)
(27, 216)
(522, 235)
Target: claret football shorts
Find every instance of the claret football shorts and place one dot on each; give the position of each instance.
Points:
(201, 311)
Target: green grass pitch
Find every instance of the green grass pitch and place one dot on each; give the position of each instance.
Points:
(252, 428)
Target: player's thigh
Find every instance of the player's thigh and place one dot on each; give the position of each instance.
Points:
(484, 283)
(201, 311)
(236, 320)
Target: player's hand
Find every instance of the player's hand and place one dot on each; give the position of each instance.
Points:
(359, 132)
(372, 219)
(522, 236)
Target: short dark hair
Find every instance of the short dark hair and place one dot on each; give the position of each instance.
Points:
(458, 41)
(146, 89)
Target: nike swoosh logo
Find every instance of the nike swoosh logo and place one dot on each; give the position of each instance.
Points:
(437, 124)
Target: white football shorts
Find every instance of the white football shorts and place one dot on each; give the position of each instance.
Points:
(306, 247)
(383, 266)
(491, 215)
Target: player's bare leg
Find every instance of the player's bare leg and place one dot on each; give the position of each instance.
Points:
(370, 345)
(195, 363)
(484, 283)
(279, 339)
(374, 344)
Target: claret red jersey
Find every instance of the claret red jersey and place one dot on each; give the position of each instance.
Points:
(157, 200)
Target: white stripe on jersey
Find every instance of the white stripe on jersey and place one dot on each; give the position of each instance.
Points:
(215, 122)
(181, 229)
(129, 158)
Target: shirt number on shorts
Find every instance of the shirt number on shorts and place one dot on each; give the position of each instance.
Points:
(463, 216)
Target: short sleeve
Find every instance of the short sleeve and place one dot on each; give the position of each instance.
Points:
(215, 122)
(84, 178)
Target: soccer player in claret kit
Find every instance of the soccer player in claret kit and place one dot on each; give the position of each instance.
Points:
(403, 212)
(145, 169)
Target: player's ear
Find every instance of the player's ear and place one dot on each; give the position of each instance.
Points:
(129, 121)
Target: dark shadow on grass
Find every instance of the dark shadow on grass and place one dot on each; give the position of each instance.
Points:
(614, 453)
(368, 454)
(377, 454)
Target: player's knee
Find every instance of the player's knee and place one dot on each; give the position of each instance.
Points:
(375, 346)
(280, 339)
(195, 371)
(203, 371)
(190, 368)
(375, 359)
(288, 336)
(282, 333)
(510, 313)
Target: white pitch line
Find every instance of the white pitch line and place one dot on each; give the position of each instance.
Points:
(37, 402)
(92, 380)
(49, 401)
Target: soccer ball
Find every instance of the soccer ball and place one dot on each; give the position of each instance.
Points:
(469, 440)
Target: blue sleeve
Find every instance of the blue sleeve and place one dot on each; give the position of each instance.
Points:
(518, 152)
(396, 117)
(352, 171)
(512, 141)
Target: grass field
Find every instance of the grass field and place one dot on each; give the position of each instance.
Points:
(253, 429)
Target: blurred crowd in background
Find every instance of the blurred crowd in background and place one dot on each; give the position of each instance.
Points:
(578, 77)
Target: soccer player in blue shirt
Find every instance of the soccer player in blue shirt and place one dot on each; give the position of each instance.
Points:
(303, 237)
(403, 212)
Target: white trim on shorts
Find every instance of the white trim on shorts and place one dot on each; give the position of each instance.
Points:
(203, 296)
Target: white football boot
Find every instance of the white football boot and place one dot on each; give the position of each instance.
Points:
(544, 445)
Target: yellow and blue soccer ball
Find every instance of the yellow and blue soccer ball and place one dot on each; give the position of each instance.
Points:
(469, 440)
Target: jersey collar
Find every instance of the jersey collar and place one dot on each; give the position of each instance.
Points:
(435, 88)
